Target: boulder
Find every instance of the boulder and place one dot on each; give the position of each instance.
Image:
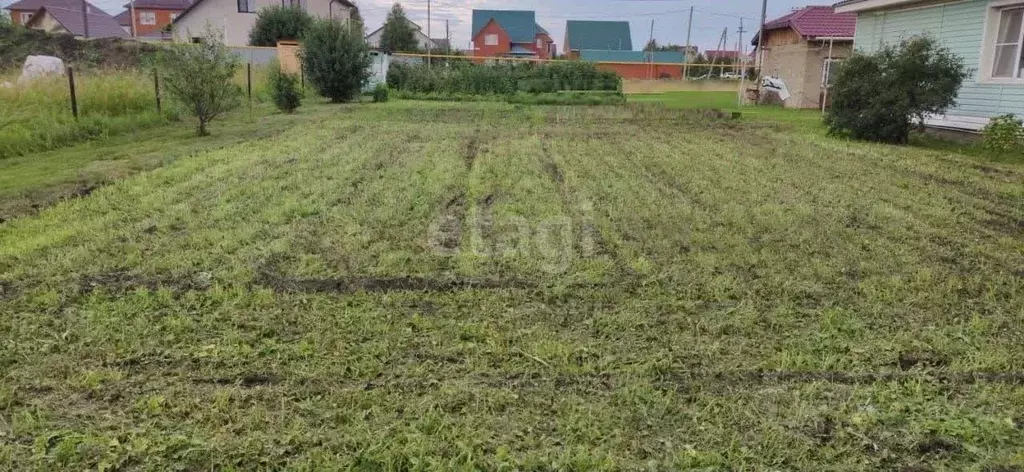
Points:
(40, 66)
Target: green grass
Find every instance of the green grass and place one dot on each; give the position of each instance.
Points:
(700, 100)
(481, 286)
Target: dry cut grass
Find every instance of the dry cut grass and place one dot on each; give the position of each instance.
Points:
(437, 286)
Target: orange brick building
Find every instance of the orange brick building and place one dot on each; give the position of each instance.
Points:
(510, 33)
(152, 16)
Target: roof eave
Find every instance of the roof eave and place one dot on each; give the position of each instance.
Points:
(857, 6)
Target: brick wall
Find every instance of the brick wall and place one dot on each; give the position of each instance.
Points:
(480, 48)
(163, 18)
(799, 64)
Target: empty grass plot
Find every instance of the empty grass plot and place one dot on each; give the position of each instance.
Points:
(486, 286)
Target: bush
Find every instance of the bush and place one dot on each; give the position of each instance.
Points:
(279, 23)
(878, 97)
(503, 79)
(380, 93)
(283, 90)
(336, 61)
(1004, 134)
(200, 77)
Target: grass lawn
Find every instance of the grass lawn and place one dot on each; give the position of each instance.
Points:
(446, 286)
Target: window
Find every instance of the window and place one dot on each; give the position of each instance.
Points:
(25, 17)
(829, 71)
(491, 40)
(540, 44)
(1007, 60)
(147, 18)
(246, 6)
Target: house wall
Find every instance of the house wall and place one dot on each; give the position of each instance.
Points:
(373, 39)
(543, 52)
(16, 17)
(49, 24)
(223, 16)
(800, 65)
(163, 18)
(504, 43)
(640, 71)
(959, 26)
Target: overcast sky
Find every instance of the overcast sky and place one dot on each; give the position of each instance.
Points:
(670, 16)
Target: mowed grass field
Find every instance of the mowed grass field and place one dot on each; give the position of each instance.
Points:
(444, 286)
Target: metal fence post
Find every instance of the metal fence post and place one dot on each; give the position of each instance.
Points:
(71, 85)
(248, 81)
(156, 87)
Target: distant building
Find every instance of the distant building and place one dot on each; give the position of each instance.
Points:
(67, 21)
(596, 35)
(233, 19)
(151, 16)
(23, 10)
(373, 39)
(802, 48)
(510, 33)
(637, 65)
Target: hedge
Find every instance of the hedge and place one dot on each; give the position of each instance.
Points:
(501, 79)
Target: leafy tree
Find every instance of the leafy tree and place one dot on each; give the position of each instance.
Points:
(335, 60)
(283, 90)
(200, 77)
(357, 24)
(276, 23)
(399, 33)
(878, 97)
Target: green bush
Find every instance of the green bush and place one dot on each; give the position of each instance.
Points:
(380, 93)
(200, 77)
(284, 90)
(879, 97)
(336, 61)
(1004, 134)
(501, 79)
(523, 98)
(277, 23)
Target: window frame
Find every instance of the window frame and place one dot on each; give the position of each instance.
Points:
(489, 37)
(826, 70)
(143, 15)
(250, 6)
(25, 17)
(990, 36)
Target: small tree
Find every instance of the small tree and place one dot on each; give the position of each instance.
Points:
(336, 61)
(279, 23)
(199, 76)
(879, 97)
(399, 33)
(283, 90)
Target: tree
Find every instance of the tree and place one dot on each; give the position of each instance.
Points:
(652, 45)
(399, 33)
(283, 89)
(356, 21)
(200, 77)
(276, 23)
(879, 97)
(335, 60)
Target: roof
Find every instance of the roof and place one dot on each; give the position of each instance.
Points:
(196, 3)
(418, 28)
(604, 35)
(124, 18)
(541, 30)
(847, 6)
(161, 4)
(442, 43)
(817, 21)
(101, 25)
(520, 25)
(33, 5)
(605, 55)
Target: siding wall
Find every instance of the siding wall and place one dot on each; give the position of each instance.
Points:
(223, 17)
(960, 26)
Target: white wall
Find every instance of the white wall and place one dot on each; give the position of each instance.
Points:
(223, 17)
(373, 39)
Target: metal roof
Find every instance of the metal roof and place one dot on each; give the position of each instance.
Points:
(598, 35)
(160, 4)
(520, 25)
(818, 21)
(101, 25)
(33, 5)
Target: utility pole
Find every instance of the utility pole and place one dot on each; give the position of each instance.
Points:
(689, 29)
(651, 70)
(85, 18)
(741, 49)
(132, 13)
(760, 46)
(431, 38)
(448, 38)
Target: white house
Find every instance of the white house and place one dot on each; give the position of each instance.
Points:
(373, 39)
(234, 18)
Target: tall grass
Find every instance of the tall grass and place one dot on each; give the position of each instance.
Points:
(37, 116)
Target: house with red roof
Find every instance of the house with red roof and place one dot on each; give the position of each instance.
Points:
(803, 48)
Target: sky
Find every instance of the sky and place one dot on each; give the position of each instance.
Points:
(710, 18)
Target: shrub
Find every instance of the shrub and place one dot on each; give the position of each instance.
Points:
(283, 90)
(276, 23)
(399, 34)
(200, 77)
(1004, 134)
(336, 61)
(878, 97)
(380, 93)
(504, 79)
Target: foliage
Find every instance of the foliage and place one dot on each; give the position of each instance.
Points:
(466, 78)
(523, 98)
(399, 34)
(335, 60)
(200, 77)
(653, 45)
(284, 90)
(356, 21)
(277, 23)
(16, 43)
(380, 93)
(1004, 134)
(878, 97)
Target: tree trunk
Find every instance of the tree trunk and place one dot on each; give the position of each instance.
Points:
(202, 128)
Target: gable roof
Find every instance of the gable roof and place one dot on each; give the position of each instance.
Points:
(609, 35)
(195, 3)
(848, 6)
(101, 25)
(161, 4)
(124, 18)
(816, 21)
(33, 5)
(521, 25)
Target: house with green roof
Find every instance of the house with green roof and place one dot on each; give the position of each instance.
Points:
(597, 36)
(510, 33)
